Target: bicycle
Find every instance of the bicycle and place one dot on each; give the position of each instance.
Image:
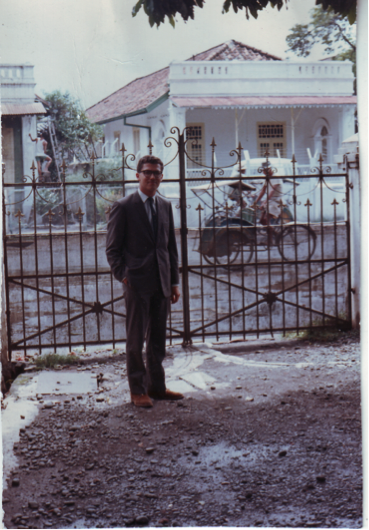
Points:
(225, 236)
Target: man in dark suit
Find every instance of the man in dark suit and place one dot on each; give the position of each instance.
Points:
(142, 252)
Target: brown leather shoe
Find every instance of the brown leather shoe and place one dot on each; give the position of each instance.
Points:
(168, 394)
(141, 400)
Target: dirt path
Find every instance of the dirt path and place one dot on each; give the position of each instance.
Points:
(273, 439)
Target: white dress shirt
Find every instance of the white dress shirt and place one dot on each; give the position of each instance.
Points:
(144, 198)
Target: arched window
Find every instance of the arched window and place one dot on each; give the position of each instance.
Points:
(322, 140)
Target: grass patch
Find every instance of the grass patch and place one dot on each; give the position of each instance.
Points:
(51, 360)
(318, 334)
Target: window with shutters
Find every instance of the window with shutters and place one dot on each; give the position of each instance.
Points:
(271, 137)
(195, 145)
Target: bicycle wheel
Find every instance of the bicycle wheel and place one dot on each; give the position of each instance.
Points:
(229, 246)
(297, 242)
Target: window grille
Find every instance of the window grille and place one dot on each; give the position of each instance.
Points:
(195, 145)
(271, 137)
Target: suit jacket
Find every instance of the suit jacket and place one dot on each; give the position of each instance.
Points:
(131, 249)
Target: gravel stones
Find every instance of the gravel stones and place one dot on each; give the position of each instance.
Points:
(111, 476)
(142, 520)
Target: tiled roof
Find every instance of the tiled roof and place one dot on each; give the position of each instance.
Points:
(137, 95)
(144, 91)
(233, 50)
(22, 109)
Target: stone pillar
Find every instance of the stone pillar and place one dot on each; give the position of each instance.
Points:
(177, 118)
(28, 147)
(348, 157)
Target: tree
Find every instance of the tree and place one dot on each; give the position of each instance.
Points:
(326, 27)
(75, 133)
(157, 10)
(329, 29)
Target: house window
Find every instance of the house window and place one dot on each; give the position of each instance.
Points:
(117, 144)
(324, 138)
(195, 145)
(271, 137)
(136, 142)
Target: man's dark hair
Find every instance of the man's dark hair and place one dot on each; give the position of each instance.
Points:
(149, 159)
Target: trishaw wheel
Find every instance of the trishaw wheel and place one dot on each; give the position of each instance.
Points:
(209, 259)
(297, 242)
(230, 244)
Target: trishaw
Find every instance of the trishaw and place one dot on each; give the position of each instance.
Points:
(233, 232)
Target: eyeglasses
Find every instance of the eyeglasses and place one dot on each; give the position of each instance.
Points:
(147, 173)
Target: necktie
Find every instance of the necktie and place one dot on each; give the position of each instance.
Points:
(154, 217)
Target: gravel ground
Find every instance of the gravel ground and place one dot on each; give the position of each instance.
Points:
(272, 440)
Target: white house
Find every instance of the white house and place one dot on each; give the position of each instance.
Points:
(18, 119)
(234, 93)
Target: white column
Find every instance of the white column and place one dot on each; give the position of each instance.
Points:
(292, 133)
(362, 90)
(355, 236)
(348, 122)
(28, 147)
(177, 118)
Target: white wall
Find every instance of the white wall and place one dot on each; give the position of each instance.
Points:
(158, 120)
(220, 124)
(241, 78)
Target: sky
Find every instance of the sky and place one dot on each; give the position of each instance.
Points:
(93, 47)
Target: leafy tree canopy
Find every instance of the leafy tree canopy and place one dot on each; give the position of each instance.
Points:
(329, 29)
(157, 10)
(74, 131)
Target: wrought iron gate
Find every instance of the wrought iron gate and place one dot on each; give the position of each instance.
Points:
(239, 278)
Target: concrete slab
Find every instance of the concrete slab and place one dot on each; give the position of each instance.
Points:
(58, 383)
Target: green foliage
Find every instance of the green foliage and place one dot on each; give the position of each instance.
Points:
(317, 334)
(105, 199)
(46, 199)
(252, 6)
(329, 332)
(51, 360)
(345, 8)
(157, 10)
(74, 131)
(327, 28)
(105, 170)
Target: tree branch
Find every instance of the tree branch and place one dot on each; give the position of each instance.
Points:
(344, 36)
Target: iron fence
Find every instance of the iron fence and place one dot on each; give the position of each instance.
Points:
(239, 278)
